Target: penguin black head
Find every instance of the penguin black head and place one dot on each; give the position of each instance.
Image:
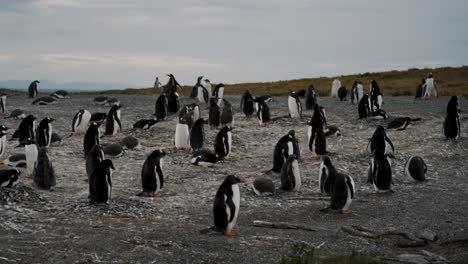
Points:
(152, 122)
(429, 75)
(326, 160)
(231, 179)
(380, 129)
(220, 85)
(49, 119)
(199, 79)
(3, 128)
(206, 80)
(311, 87)
(30, 118)
(2, 133)
(36, 81)
(159, 153)
(42, 152)
(108, 164)
(316, 107)
(453, 105)
(292, 133)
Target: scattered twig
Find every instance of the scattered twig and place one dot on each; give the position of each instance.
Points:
(412, 241)
(281, 225)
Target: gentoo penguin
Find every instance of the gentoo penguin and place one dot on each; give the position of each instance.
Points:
(30, 150)
(208, 86)
(247, 103)
(332, 131)
(311, 97)
(9, 177)
(161, 111)
(113, 125)
(47, 100)
(327, 175)
(98, 117)
(287, 145)
(317, 141)
(114, 150)
(3, 98)
(197, 134)
(145, 123)
(91, 137)
(202, 93)
(130, 142)
(218, 93)
(44, 174)
(204, 158)
(379, 141)
(196, 113)
(376, 98)
(263, 111)
(291, 174)
(399, 123)
(157, 84)
(318, 119)
(357, 92)
(94, 157)
(182, 133)
(265, 97)
(81, 122)
(342, 93)
(294, 105)
(60, 94)
(112, 101)
(416, 168)
(44, 132)
(171, 85)
(56, 139)
(100, 183)
(32, 89)
(380, 172)
(264, 187)
(420, 89)
(186, 115)
(226, 205)
(100, 100)
(17, 114)
(379, 114)
(152, 179)
(214, 113)
(3, 143)
(342, 193)
(223, 142)
(364, 107)
(226, 118)
(173, 104)
(26, 129)
(16, 160)
(452, 119)
(336, 84)
(430, 87)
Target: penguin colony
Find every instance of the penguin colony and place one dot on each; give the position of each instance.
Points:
(190, 136)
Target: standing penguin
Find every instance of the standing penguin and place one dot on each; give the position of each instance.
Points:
(113, 125)
(91, 137)
(452, 119)
(152, 179)
(218, 93)
(182, 133)
(364, 107)
(32, 89)
(291, 174)
(380, 172)
(173, 104)
(214, 113)
(342, 93)
(420, 89)
(44, 174)
(26, 129)
(30, 150)
(317, 141)
(357, 92)
(227, 114)
(81, 122)
(336, 84)
(44, 132)
(430, 87)
(100, 183)
(379, 141)
(226, 205)
(94, 157)
(311, 97)
(287, 145)
(327, 175)
(3, 142)
(196, 113)
(223, 142)
(416, 168)
(202, 93)
(376, 98)
(263, 111)
(208, 86)
(342, 193)
(3, 98)
(294, 105)
(161, 107)
(197, 134)
(247, 103)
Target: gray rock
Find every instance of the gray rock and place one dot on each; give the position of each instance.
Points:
(427, 235)
(412, 258)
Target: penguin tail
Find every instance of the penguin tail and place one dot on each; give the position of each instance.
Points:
(140, 194)
(390, 190)
(325, 210)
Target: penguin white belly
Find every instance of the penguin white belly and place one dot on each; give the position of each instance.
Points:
(236, 201)
(335, 86)
(158, 182)
(293, 109)
(379, 101)
(229, 141)
(116, 128)
(322, 167)
(407, 172)
(3, 143)
(260, 116)
(196, 113)
(182, 137)
(348, 199)
(290, 148)
(297, 174)
(220, 96)
(430, 91)
(83, 125)
(200, 95)
(360, 92)
(31, 157)
(256, 107)
(109, 186)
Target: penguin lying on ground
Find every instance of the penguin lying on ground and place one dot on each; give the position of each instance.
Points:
(145, 123)
(226, 205)
(114, 150)
(262, 186)
(60, 94)
(17, 114)
(130, 142)
(9, 177)
(45, 101)
(416, 168)
(152, 178)
(332, 131)
(100, 100)
(16, 160)
(204, 158)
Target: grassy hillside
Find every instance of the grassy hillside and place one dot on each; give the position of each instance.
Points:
(451, 81)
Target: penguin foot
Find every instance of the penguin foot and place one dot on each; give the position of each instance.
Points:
(154, 195)
(316, 158)
(345, 212)
(230, 233)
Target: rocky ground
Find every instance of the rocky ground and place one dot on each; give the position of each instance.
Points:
(60, 226)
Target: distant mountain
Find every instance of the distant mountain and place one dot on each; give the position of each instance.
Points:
(49, 85)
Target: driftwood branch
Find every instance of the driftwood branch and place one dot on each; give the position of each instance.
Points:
(411, 240)
(281, 225)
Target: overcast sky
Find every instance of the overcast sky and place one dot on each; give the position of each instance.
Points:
(132, 41)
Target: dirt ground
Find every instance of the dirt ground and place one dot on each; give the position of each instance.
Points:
(60, 226)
